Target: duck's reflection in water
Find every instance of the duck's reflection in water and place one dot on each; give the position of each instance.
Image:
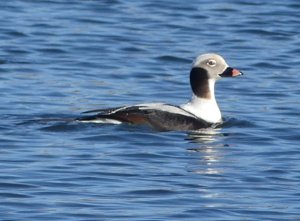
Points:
(207, 135)
(209, 148)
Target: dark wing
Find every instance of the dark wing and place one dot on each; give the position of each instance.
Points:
(158, 118)
(166, 121)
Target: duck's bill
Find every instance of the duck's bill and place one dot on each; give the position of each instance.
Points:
(231, 72)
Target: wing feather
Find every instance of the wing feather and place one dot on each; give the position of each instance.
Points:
(160, 116)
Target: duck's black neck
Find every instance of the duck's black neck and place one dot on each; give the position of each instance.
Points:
(200, 83)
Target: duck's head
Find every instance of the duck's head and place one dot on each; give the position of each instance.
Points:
(206, 69)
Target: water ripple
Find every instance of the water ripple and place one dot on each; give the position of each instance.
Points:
(60, 58)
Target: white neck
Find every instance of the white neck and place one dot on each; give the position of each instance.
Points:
(205, 108)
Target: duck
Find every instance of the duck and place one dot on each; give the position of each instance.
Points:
(201, 111)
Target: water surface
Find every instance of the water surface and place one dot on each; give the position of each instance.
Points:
(59, 58)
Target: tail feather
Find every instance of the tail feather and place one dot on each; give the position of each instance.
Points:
(99, 119)
(123, 114)
(105, 110)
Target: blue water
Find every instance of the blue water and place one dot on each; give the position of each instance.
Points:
(59, 58)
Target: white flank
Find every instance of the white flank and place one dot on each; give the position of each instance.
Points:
(102, 121)
(165, 107)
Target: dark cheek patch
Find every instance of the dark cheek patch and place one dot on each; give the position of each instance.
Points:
(199, 83)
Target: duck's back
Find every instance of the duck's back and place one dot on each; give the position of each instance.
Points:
(160, 116)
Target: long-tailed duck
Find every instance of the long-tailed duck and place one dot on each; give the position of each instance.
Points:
(201, 111)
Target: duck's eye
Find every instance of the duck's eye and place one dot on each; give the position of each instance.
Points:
(212, 63)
